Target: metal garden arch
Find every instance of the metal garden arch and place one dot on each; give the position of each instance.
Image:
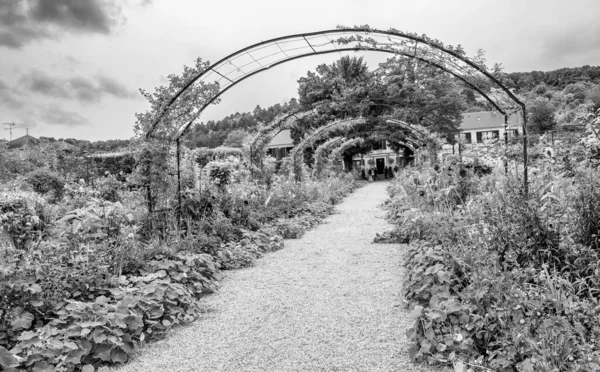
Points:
(262, 56)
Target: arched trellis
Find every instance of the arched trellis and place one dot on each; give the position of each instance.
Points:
(262, 56)
(348, 124)
(388, 135)
(286, 120)
(319, 152)
(338, 151)
(338, 146)
(418, 131)
(283, 121)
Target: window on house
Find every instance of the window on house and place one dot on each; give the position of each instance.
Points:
(380, 145)
(495, 134)
(479, 137)
(468, 138)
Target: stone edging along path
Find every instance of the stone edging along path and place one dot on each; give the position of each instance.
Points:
(330, 301)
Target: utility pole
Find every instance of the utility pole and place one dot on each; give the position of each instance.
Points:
(9, 129)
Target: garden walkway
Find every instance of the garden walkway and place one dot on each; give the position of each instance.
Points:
(329, 301)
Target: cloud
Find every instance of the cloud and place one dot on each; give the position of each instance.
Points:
(54, 115)
(113, 87)
(23, 21)
(574, 41)
(83, 89)
(38, 82)
(8, 98)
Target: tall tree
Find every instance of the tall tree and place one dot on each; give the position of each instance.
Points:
(541, 115)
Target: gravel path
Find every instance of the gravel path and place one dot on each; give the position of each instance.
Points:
(327, 302)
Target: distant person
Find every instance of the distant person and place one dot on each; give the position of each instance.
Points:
(385, 172)
(362, 171)
(375, 177)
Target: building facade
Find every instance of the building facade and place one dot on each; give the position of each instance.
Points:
(476, 127)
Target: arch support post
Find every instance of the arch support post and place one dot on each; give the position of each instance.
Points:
(505, 145)
(525, 157)
(178, 182)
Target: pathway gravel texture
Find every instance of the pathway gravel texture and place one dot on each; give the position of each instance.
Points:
(330, 301)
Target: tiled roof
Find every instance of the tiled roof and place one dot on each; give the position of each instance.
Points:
(487, 119)
(24, 141)
(282, 139)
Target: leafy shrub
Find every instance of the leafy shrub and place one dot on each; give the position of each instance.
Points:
(22, 217)
(109, 187)
(243, 253)
(108, 328)
(45, 181)
(220, 172)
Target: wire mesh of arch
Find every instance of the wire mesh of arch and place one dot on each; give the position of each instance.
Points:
(262, 56)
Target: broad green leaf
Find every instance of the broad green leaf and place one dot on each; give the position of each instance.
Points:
(86, 345)
(43, 367)
(156, 311)
(27, 335)
(118, 355)
(527, 366)
(74, 356)
(459, 366)
(128, 344)
(103, 352)
(35, 288)
(23, 321)
(7, 359)
(416, 312)
(412, 352)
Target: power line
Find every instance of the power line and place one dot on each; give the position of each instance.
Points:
(10, 128)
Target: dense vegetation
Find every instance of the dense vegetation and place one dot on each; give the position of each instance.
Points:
(498, 279)
(91, 272)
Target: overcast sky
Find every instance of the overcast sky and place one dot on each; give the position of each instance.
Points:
(72, 68)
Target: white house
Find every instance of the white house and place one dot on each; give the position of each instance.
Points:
(281, 145)
(479, 126)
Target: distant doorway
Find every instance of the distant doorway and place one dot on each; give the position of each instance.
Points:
(380, 165)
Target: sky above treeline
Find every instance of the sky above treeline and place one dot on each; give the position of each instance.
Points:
(73, 68)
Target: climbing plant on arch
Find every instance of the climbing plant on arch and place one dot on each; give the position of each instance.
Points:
(240, 65)
(319, 156)
(337, 152)
(258, 144)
